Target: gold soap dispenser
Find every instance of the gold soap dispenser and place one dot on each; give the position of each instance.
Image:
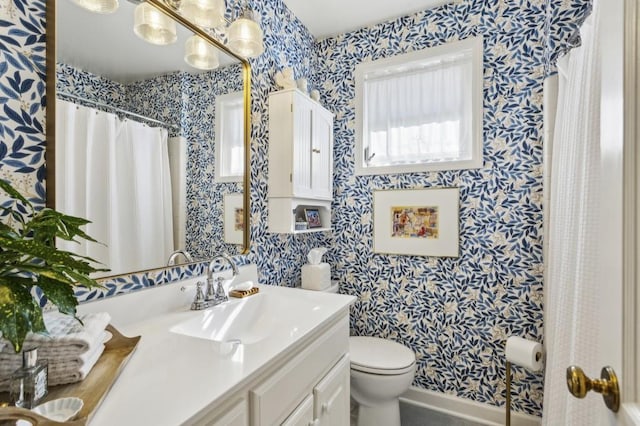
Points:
(30, 382)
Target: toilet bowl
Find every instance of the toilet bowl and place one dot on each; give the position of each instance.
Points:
(381, 371)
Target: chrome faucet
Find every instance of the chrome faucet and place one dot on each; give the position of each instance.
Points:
(215, 293)
(176, 254)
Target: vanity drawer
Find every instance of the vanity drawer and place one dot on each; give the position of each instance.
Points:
(273, 400)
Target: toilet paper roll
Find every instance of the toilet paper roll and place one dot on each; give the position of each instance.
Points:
(316, 277)
(525, 353)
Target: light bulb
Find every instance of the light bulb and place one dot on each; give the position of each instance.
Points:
(245, 36)
(205, 13)
(200, 54)
(98, 6)
(154, 26)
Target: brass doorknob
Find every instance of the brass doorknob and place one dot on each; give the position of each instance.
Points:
(579, 385)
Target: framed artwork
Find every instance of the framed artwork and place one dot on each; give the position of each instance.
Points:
(233, 218)
(420, 222)
(312, 216)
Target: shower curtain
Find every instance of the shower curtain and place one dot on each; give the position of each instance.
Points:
(114, 173)
(572, 252)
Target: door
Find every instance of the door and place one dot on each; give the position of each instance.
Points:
(611, 36)
(614, 335)
(322, 153)
(301, 167)
(331, 396)
(302, 415)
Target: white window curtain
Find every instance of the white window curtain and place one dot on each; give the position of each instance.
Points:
(419, 115)
(116, 174)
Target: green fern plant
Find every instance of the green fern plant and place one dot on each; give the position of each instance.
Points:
(29, 258)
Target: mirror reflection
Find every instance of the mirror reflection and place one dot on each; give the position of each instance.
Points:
(149, 139)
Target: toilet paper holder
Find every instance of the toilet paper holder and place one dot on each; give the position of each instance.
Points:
(523, 352)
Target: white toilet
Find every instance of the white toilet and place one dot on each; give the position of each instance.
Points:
(381, 371)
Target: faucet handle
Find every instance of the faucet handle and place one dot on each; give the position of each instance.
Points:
(220, 296)
(199, 302)
(211, 291)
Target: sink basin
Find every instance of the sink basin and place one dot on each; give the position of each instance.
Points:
(243, 321)
(276, 312)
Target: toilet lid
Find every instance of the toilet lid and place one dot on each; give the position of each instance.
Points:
(381, 356)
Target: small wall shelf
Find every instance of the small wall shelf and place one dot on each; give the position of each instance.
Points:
(285, 212)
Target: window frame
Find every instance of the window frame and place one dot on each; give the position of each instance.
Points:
(475, 44)
(221, 101)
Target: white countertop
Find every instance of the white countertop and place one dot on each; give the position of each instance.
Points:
(172, 376)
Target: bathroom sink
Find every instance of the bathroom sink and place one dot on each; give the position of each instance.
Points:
(239, 321)
(276, 312)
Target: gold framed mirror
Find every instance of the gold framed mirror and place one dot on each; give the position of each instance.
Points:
(199, 186)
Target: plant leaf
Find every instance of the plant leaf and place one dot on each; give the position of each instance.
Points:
(13, 193)
(19, 312)
(46, 253)
(60, 294)
(48, 224)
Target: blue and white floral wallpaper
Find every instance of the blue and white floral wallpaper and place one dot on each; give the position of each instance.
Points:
(454, 313)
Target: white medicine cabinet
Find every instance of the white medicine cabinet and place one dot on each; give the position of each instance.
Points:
(300, 163)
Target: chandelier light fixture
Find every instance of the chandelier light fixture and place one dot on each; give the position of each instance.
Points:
(243, 35)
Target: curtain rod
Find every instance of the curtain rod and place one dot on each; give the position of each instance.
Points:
(117, 110)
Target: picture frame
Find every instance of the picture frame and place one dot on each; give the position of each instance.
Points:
(419, 222)
(312, 216)
(233, 218)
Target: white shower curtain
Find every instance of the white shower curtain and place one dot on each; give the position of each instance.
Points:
(114, 173)
(570, 327)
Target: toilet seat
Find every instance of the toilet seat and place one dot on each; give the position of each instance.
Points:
(380, 356)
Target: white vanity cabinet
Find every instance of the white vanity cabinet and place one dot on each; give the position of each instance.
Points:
(316, 371)
(278, 357)
(300, 160)
(309, 387)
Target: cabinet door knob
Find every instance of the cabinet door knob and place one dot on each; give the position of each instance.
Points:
(315, 151)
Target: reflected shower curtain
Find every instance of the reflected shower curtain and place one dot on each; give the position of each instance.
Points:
(114, 173)
(572, 280)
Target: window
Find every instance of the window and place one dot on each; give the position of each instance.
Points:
(229, 137)
(420, 111)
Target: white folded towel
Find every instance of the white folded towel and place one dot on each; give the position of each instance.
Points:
(67, 338)
(70, 373)
(58, 372)
(70, 348)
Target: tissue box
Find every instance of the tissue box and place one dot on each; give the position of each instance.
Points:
(316, 277)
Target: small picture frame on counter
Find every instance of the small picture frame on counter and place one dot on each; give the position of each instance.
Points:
(313, 218)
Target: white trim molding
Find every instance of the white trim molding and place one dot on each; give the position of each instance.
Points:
(485, 414)
(631, 291)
